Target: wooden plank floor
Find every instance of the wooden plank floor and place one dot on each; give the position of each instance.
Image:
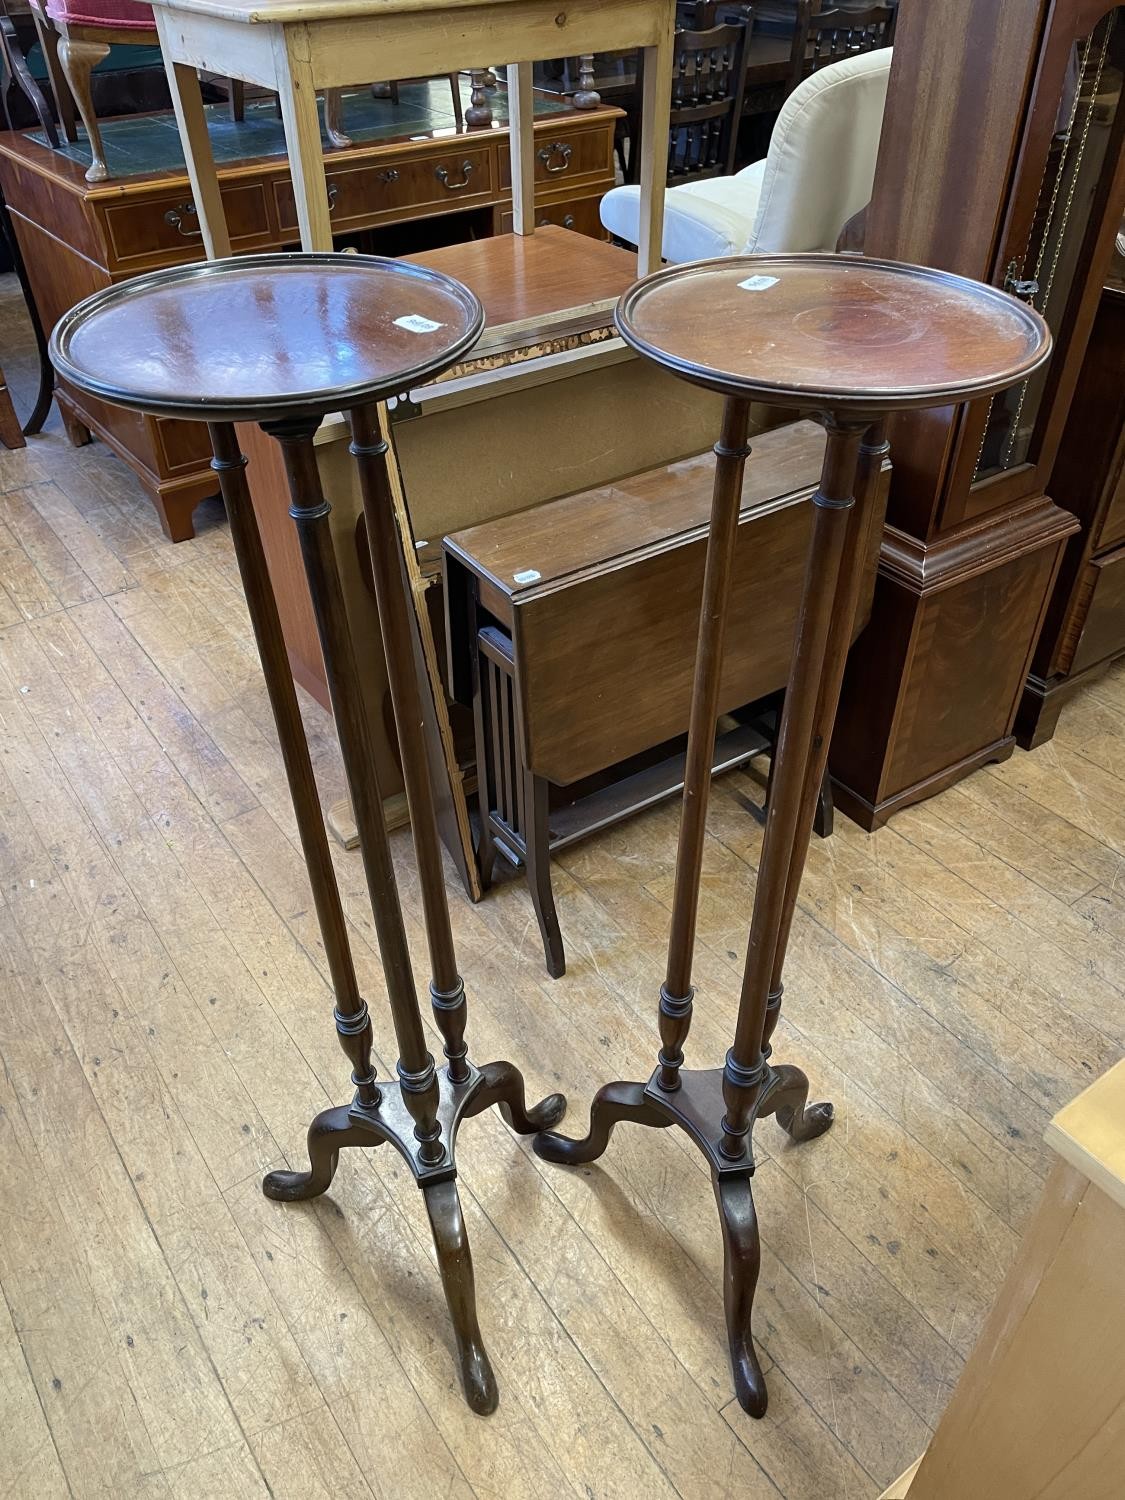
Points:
(165, 1035)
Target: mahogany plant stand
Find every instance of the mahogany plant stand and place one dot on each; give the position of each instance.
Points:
(850, 341)
(282, 340)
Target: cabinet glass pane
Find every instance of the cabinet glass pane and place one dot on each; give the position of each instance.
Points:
(1084, 124)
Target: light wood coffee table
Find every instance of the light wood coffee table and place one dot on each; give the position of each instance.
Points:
(295, 47)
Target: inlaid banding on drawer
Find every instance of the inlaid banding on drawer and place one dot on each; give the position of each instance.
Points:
(367, 193)
(157, 228)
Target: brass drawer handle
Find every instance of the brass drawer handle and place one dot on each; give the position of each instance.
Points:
(442, 175)
(567, 223)
(389, 174)
(176, 216)
(556, 148)
(333, 194)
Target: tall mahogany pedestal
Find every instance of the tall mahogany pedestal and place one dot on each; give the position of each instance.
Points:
(851, 341)
(282, 341)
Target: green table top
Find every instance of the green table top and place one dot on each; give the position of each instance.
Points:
(137, 144)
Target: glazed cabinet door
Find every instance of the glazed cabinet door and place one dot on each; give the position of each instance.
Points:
(1066, 203)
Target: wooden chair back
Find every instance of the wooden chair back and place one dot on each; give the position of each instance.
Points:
(828, 36)
(708, 79)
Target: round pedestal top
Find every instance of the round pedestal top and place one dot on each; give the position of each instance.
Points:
(833, 332)
(267, 336)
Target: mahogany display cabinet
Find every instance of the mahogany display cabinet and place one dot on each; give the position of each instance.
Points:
(1085, 627)
(1001, 159)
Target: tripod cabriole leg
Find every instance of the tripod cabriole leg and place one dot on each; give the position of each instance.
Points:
(503, 1086)
(742, 1258)
(455, 1263)
(328, 1134)
(613, 1105)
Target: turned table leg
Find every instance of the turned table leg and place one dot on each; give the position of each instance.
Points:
(447, 991)
(872, 452)
(353, 1024)
(745, 1072)
(676, 994)
(310, 510)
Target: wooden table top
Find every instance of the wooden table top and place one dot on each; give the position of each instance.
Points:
(833, 331)
(312, 11)
(266, 335)
(536, 549)
(520, 277)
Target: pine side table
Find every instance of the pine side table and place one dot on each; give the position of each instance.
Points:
(296, 47)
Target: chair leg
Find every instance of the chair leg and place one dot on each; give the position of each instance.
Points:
(236, 99)
(11, 435)
(455, 89)
(333, 116)
(78, 60)
(537, 862)
(60, 93)
(825, 809)
(19, 73)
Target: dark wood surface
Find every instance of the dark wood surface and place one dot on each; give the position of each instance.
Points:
(563, 539)
(10, 433)
(521, 277)
(605, 640)
(304, 333)
(518, 279)
(833, 332)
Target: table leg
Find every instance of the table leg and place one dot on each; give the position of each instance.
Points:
(78, 59)
(46, 390)
(296, 91)
(746, 1071)
(521, 144)
(310, 511)
(717, 1109)
(873, 450)
(447, 991)
(353, 1024)
(187, 102)
(422, 1115)
(676, 993)
(655, 104)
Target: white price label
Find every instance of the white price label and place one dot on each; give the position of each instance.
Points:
(416, 323)
(757, 283)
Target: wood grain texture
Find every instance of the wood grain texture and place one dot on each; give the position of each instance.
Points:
(952, 982)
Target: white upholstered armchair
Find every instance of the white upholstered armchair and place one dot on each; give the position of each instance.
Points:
(816, 176)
